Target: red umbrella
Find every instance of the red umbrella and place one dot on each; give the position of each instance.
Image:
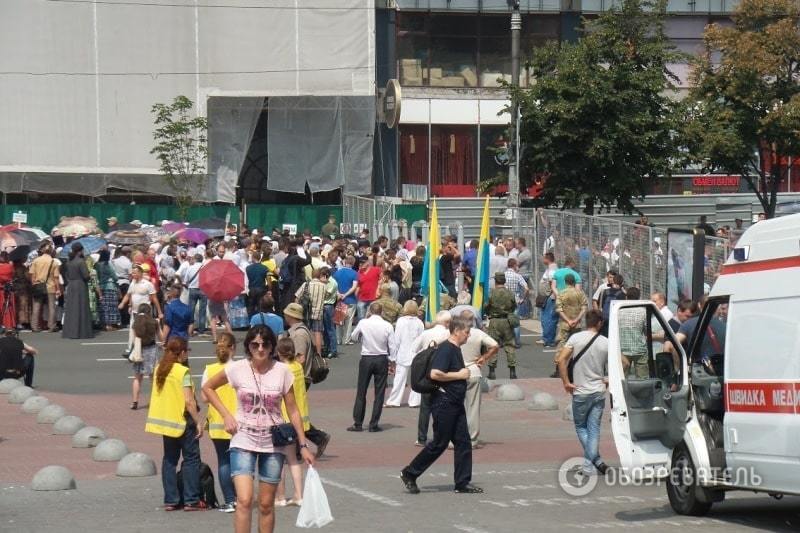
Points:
(221, 280)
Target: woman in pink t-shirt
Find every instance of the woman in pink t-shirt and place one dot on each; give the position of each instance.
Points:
(261, 383)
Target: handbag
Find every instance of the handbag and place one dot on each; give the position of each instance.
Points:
(136, 352)
(340, 313)
(39, 290)
(574, 360)
(283, 434)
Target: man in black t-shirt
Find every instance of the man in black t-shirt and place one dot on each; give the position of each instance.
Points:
(16, 358)
(449, 414)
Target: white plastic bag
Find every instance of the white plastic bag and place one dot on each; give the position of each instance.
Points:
(315, 511)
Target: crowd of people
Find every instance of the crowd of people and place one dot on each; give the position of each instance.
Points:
(303, 297)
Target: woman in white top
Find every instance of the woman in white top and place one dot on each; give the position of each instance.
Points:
(408, 328)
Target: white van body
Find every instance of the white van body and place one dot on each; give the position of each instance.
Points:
(728, 420)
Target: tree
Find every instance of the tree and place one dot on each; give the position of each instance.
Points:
(599, 121)
(743, 114)
(181, 149)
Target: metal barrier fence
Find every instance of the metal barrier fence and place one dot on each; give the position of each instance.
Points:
(375, 215)
(598, 245)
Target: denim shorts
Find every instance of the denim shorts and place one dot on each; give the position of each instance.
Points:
(243, 463)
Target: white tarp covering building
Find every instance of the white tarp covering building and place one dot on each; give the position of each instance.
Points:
(78, 79)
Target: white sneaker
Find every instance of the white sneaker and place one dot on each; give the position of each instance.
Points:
(227, 508)
(280, 503)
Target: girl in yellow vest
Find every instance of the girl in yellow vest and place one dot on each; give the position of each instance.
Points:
(226, 348)
(287, 356)
(173, 413)
(261, 384)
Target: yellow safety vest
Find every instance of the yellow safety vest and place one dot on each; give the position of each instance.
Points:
(165, 415)
(216, 425)
(300, 397)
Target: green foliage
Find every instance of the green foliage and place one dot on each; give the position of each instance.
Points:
(599, 120)
(181, 149)
(745, 103)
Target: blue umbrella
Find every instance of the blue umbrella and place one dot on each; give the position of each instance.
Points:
(90, 245)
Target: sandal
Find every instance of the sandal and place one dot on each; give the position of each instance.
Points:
(281, 503)
(175, 507)
(294, 502)
(134, 406)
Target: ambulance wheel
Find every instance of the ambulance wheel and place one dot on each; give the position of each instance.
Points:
(682, 488)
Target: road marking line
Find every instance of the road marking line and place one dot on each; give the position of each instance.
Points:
(363, 493)
(107, 359)
(548, 350)
(469, 529)
(125, 343)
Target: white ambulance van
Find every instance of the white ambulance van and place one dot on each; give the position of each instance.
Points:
(723, 414)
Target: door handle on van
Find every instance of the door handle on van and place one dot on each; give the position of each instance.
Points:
(667, 398)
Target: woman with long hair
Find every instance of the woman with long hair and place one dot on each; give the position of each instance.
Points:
(77, 312)
(147, 334)
(225, 350)
(261, 383)
(174, 415)
(408, 329)
(109, 291)
(22, 293)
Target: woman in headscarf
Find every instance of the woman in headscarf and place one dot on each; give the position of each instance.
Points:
(77, 313)
(109, 291)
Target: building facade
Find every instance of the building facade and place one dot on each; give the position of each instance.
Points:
(451, 57)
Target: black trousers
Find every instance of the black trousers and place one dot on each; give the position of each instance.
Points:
(370, 366)
(449, 425)
(424, 420)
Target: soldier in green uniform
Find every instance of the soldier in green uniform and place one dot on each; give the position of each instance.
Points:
(391, 309)
(500, 306)
(331, 229)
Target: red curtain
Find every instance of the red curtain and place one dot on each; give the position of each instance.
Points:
(453, 158)
(414, 155)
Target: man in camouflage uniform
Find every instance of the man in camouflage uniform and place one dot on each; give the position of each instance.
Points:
(571, 305)
(391, 309)
(500, 306)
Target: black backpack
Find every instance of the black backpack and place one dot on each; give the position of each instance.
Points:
(208, 493)
(609, 295)
(420, 373)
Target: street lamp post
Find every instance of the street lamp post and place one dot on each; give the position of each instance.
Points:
(513, 166)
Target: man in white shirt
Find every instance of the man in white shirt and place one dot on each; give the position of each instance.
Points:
(477, 342)
(189, 272)
(377, 347)
(122, 268)
(497, 263)
(439, 333)
(660, 299)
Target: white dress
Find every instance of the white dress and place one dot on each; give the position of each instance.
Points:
(406, 331)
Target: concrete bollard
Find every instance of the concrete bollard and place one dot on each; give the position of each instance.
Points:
(88, 437)
(68, 425)
(50, 413)
(509, 393)
(136, 464)
(9, 384)
(34, 404)
(20, 394)
(53, 477)
(110, 450)
(543, 401)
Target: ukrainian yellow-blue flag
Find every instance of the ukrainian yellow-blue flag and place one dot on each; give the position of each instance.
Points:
(429, 284)
(480, 287)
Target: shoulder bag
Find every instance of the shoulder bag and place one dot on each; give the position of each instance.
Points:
(574, 360)
(39, 290)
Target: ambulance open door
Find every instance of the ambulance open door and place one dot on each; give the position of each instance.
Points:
(649, 388)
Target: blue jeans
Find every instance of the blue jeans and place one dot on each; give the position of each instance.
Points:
(329, 328)
(361, 308)
(188, 446)
(587, 410)
(196, 296)
(549, 320)
(224, 469)
(244, 463)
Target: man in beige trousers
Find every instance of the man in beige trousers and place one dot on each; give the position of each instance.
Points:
(478, 341)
